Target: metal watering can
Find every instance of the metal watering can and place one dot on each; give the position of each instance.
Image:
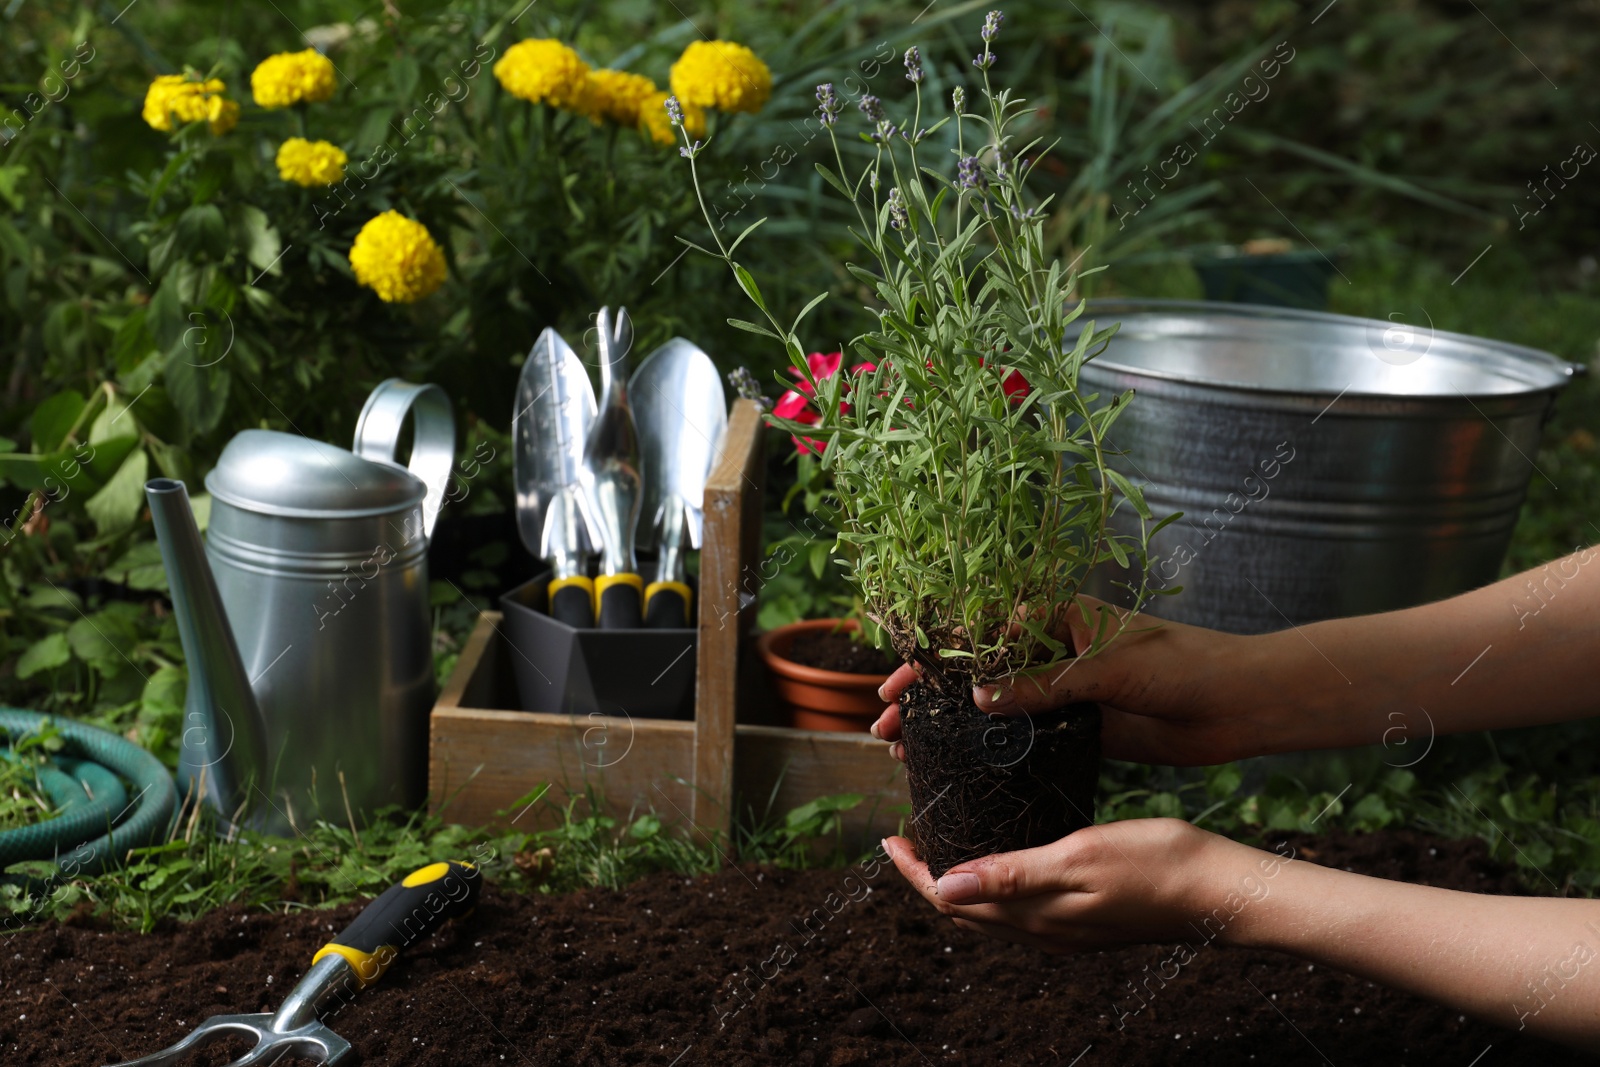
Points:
(304, 616)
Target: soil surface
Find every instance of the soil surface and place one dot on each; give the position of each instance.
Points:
(754, 966)
(840, 652)
(982, 784)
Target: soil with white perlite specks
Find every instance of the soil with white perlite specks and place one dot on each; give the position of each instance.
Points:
(754, 966)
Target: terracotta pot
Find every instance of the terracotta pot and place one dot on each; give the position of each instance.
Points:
(816, 699)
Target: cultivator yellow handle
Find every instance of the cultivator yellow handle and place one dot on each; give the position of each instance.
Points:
(403, 914)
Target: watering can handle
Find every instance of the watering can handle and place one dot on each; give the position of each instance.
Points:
(433, 436)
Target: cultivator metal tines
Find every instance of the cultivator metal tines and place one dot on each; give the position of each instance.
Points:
(407, 911)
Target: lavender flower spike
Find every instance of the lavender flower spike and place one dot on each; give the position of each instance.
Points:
(913, 65)
(828, 104)
(871, 107)
(674, 111)
(991, 25)
(897, 210)
(958, 99)
(969, 175)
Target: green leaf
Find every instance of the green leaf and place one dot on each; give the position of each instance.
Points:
(263, 246)
(165, 317)
(833, 179)
(201, 229)
(120, 500)
(43, 655)
(53, 419)
(113, 421)
(748, 230)
(747, 282)
(753, 327)
(199, 393)
(403, 73)
(140, 568)
(819, 559)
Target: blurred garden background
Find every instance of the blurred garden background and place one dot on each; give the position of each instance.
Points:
(164, 289)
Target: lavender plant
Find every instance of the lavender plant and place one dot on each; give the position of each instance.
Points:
(972, 485)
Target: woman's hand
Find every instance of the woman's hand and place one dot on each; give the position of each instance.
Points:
(1169, 693)
(1135, 882)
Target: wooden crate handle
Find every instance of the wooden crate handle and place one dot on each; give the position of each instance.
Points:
(729, 551)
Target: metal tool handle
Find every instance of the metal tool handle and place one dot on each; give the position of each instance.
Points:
(433, 436)
(403, 914)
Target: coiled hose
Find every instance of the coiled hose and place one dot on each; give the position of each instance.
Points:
(96, 825)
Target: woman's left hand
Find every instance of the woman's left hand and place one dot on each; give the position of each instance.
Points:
(1135, 882)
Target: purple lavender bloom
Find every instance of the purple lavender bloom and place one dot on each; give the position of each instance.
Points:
(885, 131)
(913, 65)
(674, 111)
(897, 210)
(828, 104)
(969, 175)
(985, 60)
(871, 107)
(991, 25)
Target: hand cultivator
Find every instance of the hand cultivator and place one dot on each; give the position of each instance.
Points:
(406, 912)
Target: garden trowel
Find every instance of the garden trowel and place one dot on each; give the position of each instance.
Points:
(404, 914)
(555, 410)
(682, 414)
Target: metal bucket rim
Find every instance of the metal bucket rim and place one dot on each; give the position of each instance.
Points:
(1561, 372)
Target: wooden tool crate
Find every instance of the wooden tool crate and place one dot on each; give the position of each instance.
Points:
(484, 755)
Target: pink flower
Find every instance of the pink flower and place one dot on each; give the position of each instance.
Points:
(796, 404)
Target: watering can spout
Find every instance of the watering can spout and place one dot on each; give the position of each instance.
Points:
(223, 744)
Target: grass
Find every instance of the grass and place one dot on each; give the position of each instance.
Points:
(332, 862)
(23, 800)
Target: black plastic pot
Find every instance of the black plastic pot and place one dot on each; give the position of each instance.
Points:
(644, 673)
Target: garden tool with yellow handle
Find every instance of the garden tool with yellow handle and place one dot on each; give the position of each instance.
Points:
(613, 482)
(555, 411)
(682, 414)
(404, 914)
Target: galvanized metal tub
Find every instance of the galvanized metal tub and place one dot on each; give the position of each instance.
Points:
(1325, 465)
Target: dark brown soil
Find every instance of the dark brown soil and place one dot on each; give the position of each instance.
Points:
(982, 784)
(840, 652)
(752, 967)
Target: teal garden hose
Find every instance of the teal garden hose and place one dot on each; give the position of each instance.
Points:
(95, 825)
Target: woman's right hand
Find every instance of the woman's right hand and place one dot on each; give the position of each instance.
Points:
(1169, 693)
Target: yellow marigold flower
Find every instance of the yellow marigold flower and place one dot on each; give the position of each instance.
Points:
(617, 94)
(657, 126)
(179, 99)
(397, 258)
(721, 75)
(290, 78)
(311, 163)
(222, 114)
(545, 71)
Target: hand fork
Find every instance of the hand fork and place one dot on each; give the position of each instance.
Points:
(406, 912)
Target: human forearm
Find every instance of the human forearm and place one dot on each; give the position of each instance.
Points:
(1520, 652)
(1519, 962)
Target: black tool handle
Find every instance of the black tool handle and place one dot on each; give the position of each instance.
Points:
(619, 600)
(666, 606)
(572, 601)
(404, 914)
